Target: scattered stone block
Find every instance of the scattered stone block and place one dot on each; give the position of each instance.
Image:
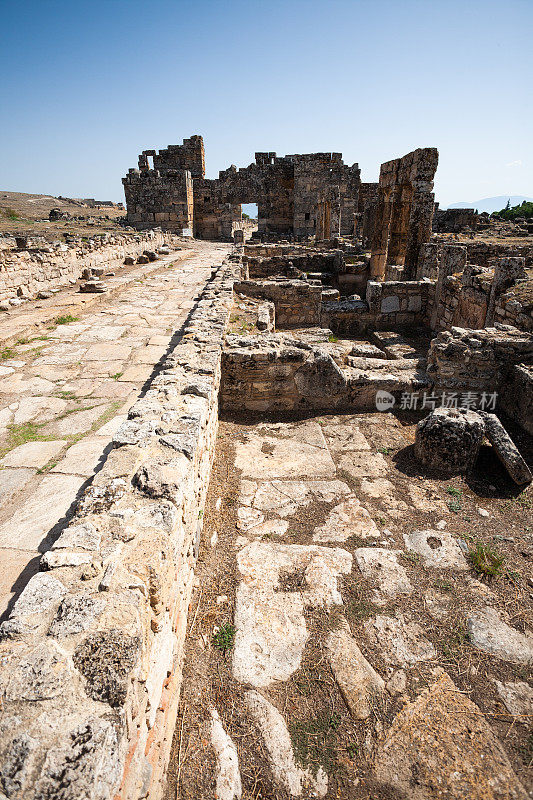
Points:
(358, 681)
(506, 450)
(448, 440)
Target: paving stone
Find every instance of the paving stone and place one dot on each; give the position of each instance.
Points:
(38, 409)
(248, 517)
(148, 355)
(438, 549)
(488, 632)
(276, 737)
(138, 372)
(358, 681)
(442, 746)
(78, 422)
(228, 779)
(363, 465)
(83, 457)
(348, 519)
(344, 437)
(111, 427)
(381, 566)
(426, 498)
(517, 698)
(286, 497)
(270, 456)
(13, 481)
(103, 333)
(277, 583)
(401, 643)
(33, 454)
(107, 352)
(31, 521)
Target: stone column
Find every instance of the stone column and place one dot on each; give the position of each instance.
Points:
(506, 271)
(380, 239)
(420, 220)
(453, 259)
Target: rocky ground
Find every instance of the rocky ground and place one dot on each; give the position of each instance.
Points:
(358, 630)
(70, 368)
(24, 214)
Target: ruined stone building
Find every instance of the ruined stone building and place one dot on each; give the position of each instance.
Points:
(314, 194)
(296, 194)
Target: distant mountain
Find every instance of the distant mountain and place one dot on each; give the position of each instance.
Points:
(491, 204)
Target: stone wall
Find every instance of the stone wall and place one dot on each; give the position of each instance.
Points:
(276, 373)
(463, 360)
(404, 211)
(454, 220)
(297, 303)
(175, 193)
(388, 306)
(24, 273)
(92, 651)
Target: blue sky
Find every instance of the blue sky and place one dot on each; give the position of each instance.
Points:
(85, 86)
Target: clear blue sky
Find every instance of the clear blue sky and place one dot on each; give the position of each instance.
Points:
(85, 86)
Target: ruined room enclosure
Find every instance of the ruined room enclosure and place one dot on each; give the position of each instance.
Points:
(359, 627)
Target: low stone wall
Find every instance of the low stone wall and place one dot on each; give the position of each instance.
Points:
(297, 303)
(91, 653)
(274, 373)
(388, 306)
(24, 273)
(479, 361)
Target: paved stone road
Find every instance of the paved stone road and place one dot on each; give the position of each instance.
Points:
(65, 392)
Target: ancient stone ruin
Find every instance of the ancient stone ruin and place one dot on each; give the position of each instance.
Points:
(269, 532)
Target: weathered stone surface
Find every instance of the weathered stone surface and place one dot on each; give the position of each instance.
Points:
(17, 765)
(345, 520)
(105, 659)
(228, 786)
(363, 465)
(279, 747)
(441, 746)
(358, 681)
(305, 454)
(43, 672)
(277, 583)
(488, 632)
(286, 497)
(517, 698)
(506, 450)
(381, 566)
(402, 643)
(32, 454)
(448, 440)
(88, 765)
(438, 549)
(75, 614)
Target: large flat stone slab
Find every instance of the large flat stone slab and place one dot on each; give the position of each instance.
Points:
(442, 746)
(363, 464)
(13, 481)
(31, 521)
(83, 457)
(381, 567)
(347, 519)
(285, 497)
(277, 583)
(360, 684)
(33, 454)
(401, 643)
(285, 451)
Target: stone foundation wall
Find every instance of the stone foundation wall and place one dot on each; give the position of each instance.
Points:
(277, 374)
(24, 273)
(388, 306)
(477, 360)
(92, 650)
(297, 303)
